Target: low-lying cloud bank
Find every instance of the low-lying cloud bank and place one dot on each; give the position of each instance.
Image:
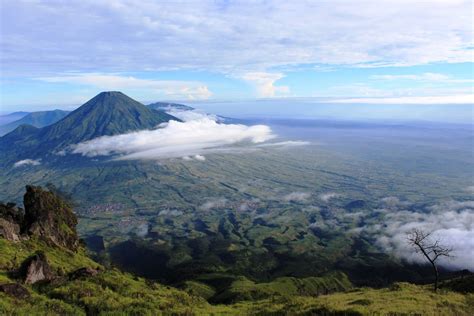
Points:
(199, 135)
(297, 197)
(325, 197)
(213, 204)
(26, 162)
(452, 222)
(288, 143)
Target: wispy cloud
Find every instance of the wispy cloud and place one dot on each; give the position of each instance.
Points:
(213, 204)
(144, 35)
(444, 99)
(27, 162)
(170, 88)
(470, 189)
(425, 77)
(264, 83)
(170, 213)
(297, 197)
(142, 230)
(326, 197)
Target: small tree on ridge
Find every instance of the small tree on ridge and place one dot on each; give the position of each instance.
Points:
(431, 249)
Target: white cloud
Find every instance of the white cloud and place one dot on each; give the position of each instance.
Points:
(213, 204)
(445, 99)
(265, 83)
(470, 189)
(172, 213)
(424, 77)
(146, 35)
(60, 153)
(232, 39)
(451, 221)
(191, 90)
(26, 162)
(199, 157)
(176, 139)
(142, 230)
(297, 197)
(325, 197)
(428, 76)
(191, 115)
(391, 201)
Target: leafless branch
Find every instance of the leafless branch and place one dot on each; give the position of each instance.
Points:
(432, 250)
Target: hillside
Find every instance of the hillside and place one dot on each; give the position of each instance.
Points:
(42, 272)
(108, 113)
(36, 119)
(11, 117)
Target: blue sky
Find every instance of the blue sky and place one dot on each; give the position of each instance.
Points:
(61, 53)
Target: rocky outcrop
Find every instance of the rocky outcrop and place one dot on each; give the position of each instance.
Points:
(9, 230)
(11, 219)
(36, 268)
(49, 217)
(83, 273)
(46, 216)
(15, 290)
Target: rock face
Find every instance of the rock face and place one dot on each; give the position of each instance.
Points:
(36, 269)
(11, 219)
(15, 290)
(47, 216)
(83, 273)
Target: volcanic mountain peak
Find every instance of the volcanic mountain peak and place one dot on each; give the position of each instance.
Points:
(108, 113)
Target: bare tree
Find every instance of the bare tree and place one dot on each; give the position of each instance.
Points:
(431, 249)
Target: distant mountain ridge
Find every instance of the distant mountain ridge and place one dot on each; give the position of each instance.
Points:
(108, 113)
(11, 117)
(37, 119)
(167, 106)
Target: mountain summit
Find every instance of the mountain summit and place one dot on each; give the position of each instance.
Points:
(108, 113)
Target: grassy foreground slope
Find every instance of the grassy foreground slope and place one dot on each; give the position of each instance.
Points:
(112, 292)
(45, 270)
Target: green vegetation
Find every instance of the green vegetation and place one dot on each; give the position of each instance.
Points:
(271, 231)
(400, 299)
(243, 289)
(109, 291)
(108, 113)
(112, 292)
(60, 259)
(229, 214)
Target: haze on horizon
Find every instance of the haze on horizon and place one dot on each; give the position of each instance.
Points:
(345, 59)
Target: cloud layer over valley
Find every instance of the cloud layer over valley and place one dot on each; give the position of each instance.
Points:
(452, 222)
(199, 135)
